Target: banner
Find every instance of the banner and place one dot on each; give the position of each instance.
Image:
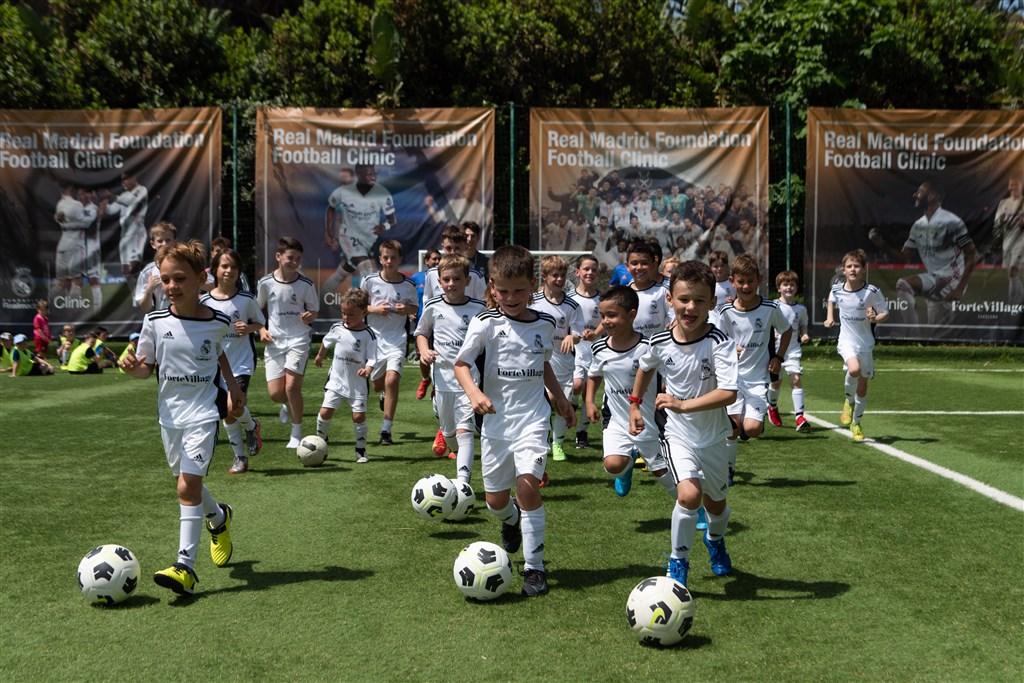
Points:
(343, 180)
(934, 199)
(696, 180)
(78, 192)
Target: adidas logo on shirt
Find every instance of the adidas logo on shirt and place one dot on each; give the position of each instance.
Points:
(502, 333)
(670, 362)
(168, 335)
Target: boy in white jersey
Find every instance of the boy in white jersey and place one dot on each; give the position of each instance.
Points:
(517, 342)
(392, 302)
(445, 320)
(786, 282)
(724, 291)
(247, 320)
(149, 294)
(860, 306)
(585, 294)
(654, 313)
(698, 362)
(355, 354)
(183, 342)
(616, 361)
(568, 328)
(291, 305)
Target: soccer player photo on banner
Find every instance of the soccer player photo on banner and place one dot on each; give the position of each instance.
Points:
(343, 181)
(80, 194)
(934, 198)
(694, 180)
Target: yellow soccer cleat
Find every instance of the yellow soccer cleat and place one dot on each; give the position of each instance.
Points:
(858, 433)
(847, 417)
(178, 577)
(220, 538)
(557, 452)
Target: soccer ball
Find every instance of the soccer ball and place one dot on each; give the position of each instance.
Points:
(660, 610)
(312, 451)
(108, 574)
(434, 497)
(482, 571)
(465, 503)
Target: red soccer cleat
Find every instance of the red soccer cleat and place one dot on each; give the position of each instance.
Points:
(421, 392)
(774, 417)
(802, 425)
(440, 446)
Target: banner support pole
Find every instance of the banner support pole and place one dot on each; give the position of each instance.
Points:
(512, 172)
(789, 197)
(234, 173)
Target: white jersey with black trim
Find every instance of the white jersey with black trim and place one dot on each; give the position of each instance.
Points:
(361, 213)
(513, 376)
(568, 320)
(74, 218)
(447, 324)
(240, 350)
(159, 299)
(940, 243)
(389, 329)
(752, 332)
(185, 352)
(654, 313)
(854, 326)
(476, 288)
(619, 368)
(285, 302)
(693, 369)
(796, 313)
(353, 351)
(591, 312)
(131, 205)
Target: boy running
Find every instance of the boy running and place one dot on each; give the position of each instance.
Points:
(586, 296)
(786, 282)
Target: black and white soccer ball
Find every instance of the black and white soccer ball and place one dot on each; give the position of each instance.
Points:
(465, 504)
(312, 451)
(108, 574)
(483, 571)
(660, 610)
(434, 496)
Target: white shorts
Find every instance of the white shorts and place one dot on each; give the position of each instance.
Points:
(332, 399)
(71, 256)
(390, 358)
(751, 400)
(503, 460)
(133, 241)
(866, 359)
(709, 464)
(937, 286)
(454, 411)
(354, 247)
(618, 441)
(190, 450)
(792, 365)
(93, 258)
(286, 354)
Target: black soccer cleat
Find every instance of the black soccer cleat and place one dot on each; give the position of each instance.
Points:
(385, 439)
(511, 536)
(535, 582)
(582, 440)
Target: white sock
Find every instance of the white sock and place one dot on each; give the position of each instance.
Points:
(189, 529)
(558, 429)
(214, 513)
(296, 430)
(798, 401)
(669, 482)
(323, 428)
(234, 431)
(860, 404)
(97, 297)
(684, 528)
(248, 424)
(851, 387)
(717, 524)
(534, 522)
(386, 424)
(508, 514)
(362, 429)
(464, 456)
(773, 396)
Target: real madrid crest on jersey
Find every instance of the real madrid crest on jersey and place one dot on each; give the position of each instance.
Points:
(561, 321)
(758, 324)
(636, 366)
(654, 306)
(537, 342)
(465, 320)
(204, 350)
(705, 369)
(294, 299)
(359, 343)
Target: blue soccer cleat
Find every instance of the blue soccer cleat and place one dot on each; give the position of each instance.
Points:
(678, 569)
(721, 565)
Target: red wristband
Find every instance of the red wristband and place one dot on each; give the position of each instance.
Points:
(636, 399)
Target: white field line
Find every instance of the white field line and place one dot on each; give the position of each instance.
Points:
(888, 369)
(984, 489)
(943, 412)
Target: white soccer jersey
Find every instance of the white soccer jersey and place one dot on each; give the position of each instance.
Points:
(797, 316)
(940, 243)
(568, 320)
(693, 369)
(130, 205)
(159, 300)
(390, 329)
(353, 351)
(361, 213)
(75, 218)
(591, 312)
(240, 350)
(724, 292)
(653, 313)
(752, 332)
(185, 352)
(447, 324)
(475, 288)
(854, 327)
(285, 302)
(516, 351)
(619, 370)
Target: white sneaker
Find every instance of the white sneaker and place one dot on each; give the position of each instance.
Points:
(283, 416)
(293, 442)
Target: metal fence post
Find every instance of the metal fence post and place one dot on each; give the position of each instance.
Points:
(234, 173)
(789, 193)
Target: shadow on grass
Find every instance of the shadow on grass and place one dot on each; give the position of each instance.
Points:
(579, 579)
(573, 481)
(889, 440)
(690, 642)
(259, 581)
(784, 483)
(745, 586)
(661, 525)
(325, 469)
(794, 436)
(133, 602)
